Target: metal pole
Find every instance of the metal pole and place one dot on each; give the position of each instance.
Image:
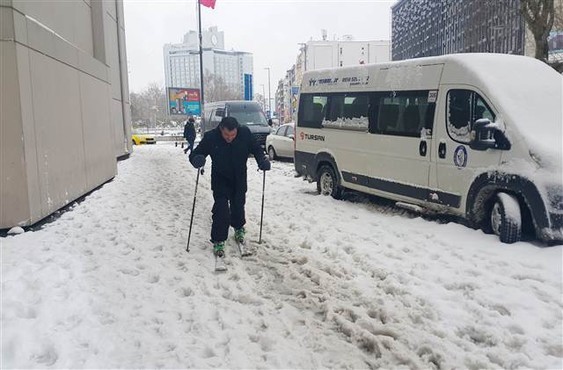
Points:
(269, 96)
(193, 209)
(262, 212)
(201, 97)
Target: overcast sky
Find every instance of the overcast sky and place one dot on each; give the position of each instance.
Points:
(269, 29)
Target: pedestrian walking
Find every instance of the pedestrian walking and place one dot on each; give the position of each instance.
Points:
(189, 134)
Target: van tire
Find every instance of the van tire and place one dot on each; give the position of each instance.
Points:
(134, 143)
(271, 153)
(506, 218)
(327, 182)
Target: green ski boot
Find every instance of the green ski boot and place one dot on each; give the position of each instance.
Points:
(219, 249)
(239, 235)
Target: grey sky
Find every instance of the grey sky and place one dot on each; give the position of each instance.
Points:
(270, 29)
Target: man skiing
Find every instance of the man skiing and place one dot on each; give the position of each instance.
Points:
(229, 146)
(189, 134)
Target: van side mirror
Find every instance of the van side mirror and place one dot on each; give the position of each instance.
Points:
(292, 137)
(220, 112)
(486, 135)
(270, 122)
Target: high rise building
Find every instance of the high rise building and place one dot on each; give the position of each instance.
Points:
(181, 63)
(422, 28)
(65, 115)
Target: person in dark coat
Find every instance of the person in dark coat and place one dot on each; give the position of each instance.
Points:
(229, 146)
(189, 134)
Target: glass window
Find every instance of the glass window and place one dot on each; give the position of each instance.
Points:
(348, 111)
(281, 131)
(312, 110)
(403, 113)
(290, 131)
(247, 115)
(464, 107)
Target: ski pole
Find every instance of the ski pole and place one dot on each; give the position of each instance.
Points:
(262, 212)
(193, 209)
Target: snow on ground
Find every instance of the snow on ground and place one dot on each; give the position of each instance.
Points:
(335, 284)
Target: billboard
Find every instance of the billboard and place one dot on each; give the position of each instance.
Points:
(184, 101)
(248, 94)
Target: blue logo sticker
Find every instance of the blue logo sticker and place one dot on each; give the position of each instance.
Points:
(460, 156)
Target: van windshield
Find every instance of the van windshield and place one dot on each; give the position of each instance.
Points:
(248, 115)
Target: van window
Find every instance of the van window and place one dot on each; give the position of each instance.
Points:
(312, 110)
(348, 111)
(402, 113)
(247, 114)
(464, 107)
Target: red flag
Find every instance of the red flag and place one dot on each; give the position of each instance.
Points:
(208, 3)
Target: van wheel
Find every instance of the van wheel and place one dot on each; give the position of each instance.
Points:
(271, 153)
(506, 218)
(327, 183)
(134, 142)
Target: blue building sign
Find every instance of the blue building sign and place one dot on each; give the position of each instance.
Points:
(248, 93)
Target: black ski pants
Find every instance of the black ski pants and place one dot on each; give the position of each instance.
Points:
(228, 209)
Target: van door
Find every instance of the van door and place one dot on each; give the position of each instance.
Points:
(455, 162)
(400, 145)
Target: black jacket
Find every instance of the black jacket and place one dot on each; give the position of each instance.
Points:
(228, 160)
(189, 131)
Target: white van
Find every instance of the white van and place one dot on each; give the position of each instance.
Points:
(474, 135)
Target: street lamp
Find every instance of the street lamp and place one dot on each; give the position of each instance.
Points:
(263, 97)
(269, 97)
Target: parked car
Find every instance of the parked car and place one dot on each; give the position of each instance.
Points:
(139, 139)
(280, 143)
(473, 135)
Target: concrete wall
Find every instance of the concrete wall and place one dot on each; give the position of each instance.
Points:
(64, 114)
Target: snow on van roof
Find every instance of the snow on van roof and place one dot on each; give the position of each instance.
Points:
(528, 94)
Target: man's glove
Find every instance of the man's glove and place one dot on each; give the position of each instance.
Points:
(198, 161)
(265, 165)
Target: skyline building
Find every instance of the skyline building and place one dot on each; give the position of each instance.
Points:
(181, 63)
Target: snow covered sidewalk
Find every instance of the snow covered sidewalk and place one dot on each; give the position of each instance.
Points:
(335, 284)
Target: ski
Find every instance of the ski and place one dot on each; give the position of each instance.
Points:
(243, 249)
(220, 263)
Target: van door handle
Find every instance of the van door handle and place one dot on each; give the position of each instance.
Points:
(442, 150)
(422, 148)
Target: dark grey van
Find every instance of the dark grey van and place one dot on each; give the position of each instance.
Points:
(248, 113)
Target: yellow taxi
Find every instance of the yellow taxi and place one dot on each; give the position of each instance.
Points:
(139, 139)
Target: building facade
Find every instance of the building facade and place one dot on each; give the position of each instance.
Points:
(65, 114)
(181, 62)
(325, 54)
(422, 28)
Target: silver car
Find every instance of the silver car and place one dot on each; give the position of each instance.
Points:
(281, 142)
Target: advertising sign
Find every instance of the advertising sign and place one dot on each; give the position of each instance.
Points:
(248, 87)
(183, 101)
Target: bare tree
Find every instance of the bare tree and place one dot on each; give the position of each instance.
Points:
(539, 16)
(217, 90)
(261, 99)
(149, 107)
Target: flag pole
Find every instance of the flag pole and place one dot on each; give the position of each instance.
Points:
(201, 100)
